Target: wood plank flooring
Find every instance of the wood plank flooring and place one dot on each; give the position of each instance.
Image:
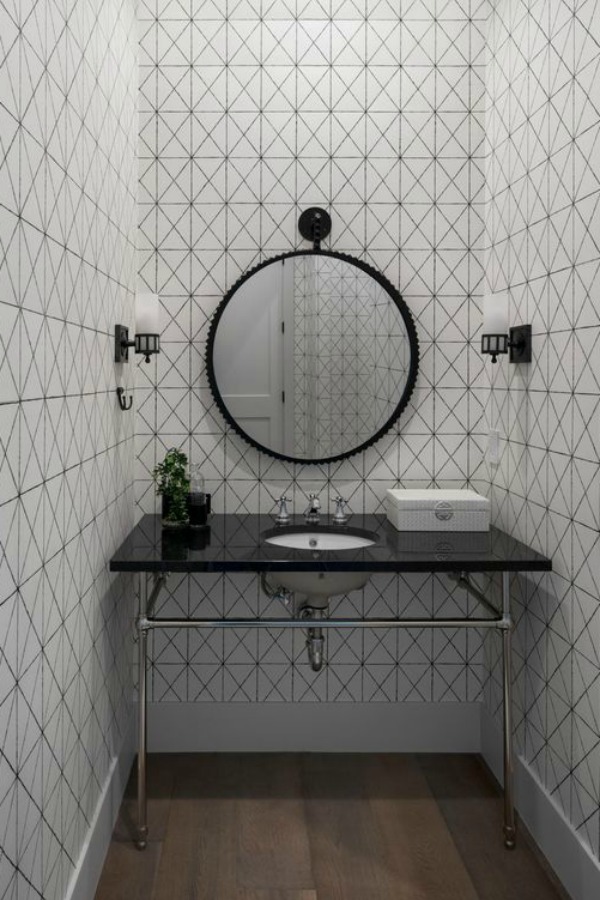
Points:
(320, 827)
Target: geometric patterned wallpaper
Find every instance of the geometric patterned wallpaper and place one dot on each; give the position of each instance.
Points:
(67, 269)
(250, 112)
(543, 243)
(305, 380)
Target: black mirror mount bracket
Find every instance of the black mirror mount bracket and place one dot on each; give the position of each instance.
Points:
(314, 225)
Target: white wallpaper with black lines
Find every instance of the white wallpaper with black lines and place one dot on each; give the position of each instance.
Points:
(543, 246)
(67, 270)
(381, 144)
(256, 110)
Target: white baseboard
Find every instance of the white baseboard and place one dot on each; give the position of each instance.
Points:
(573, 863)
(314, 727)
(85, 877)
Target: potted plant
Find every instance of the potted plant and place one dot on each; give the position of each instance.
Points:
(173, 484)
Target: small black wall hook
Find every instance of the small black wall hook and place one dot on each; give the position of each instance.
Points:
(125, 406)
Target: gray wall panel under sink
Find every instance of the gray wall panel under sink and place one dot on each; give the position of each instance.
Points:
(314, 727)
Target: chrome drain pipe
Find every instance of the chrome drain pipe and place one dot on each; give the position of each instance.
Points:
(315, 641)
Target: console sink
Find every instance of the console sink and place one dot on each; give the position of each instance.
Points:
(319, 586)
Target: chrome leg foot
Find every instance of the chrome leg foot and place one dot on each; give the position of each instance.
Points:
(142, 839)
(510, 837)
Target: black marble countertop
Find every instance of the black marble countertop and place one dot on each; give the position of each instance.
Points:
(235, 543)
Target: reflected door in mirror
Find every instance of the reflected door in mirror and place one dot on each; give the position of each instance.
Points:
(250, 359)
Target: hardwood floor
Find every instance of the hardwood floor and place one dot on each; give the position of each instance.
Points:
(320, 827)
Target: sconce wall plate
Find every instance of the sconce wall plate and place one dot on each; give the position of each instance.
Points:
(520, 344)
(122, 343)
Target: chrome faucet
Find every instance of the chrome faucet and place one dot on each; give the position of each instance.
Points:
(311, 516)
(340, 517)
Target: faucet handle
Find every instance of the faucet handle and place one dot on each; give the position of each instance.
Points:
(340, 517)
(283, 516)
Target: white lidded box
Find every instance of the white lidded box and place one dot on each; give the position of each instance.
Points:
(437, 509)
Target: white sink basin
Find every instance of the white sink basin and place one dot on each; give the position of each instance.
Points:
(320, 540)
(319, 586)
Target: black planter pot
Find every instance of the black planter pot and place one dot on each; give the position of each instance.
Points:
(166, 521)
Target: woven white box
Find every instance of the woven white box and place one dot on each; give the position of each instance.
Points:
(437, 510)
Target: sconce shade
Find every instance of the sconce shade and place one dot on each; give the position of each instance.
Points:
(146, 314)
(495, 314)
(496, 336)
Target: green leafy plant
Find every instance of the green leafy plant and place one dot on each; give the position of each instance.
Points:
(173, 483)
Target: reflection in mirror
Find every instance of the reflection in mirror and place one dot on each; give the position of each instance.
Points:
(312, 355)
(351, 353)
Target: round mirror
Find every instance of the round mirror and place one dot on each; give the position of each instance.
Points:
(312, 356)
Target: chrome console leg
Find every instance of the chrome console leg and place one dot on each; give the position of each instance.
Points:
(142, 831)
(509, 828)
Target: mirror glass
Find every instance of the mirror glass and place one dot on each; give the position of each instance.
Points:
(312, 355)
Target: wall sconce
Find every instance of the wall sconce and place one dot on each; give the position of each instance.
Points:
(147, 337)
(497, 338)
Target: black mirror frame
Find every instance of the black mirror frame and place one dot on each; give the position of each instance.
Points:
(412, 372)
